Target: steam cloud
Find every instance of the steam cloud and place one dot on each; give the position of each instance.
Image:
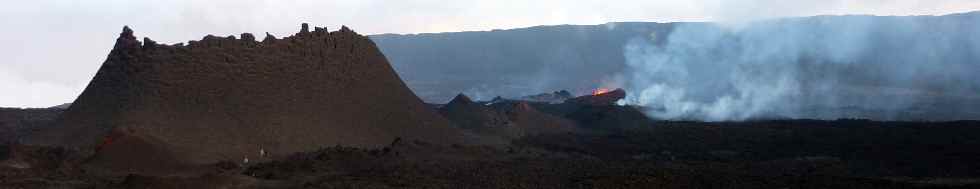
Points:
(887, 68)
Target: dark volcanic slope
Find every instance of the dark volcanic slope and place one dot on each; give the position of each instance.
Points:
(16, 123)
(224, 98)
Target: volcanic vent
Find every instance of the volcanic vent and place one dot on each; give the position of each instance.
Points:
(224, 98)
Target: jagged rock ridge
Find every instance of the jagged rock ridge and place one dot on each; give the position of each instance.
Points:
(506, 120)
(554, 97)
(223, 98)
(468, 114)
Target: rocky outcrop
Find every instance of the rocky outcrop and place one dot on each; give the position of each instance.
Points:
(223, 98)
(506, 119)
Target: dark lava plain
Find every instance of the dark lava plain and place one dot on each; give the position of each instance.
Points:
(664, 154)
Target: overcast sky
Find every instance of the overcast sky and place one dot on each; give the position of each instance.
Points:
(50, 49)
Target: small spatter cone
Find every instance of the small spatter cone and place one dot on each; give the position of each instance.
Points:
(461, 99)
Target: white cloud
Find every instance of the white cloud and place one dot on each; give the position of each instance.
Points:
(21, 92)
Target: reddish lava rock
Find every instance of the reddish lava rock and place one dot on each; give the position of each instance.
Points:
(225, 99)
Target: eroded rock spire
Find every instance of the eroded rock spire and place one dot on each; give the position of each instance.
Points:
(268, 38)
(126, 39)
(304, 28)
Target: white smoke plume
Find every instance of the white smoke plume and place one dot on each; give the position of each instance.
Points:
(889, 68)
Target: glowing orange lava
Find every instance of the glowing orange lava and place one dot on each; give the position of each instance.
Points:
(599, 91)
